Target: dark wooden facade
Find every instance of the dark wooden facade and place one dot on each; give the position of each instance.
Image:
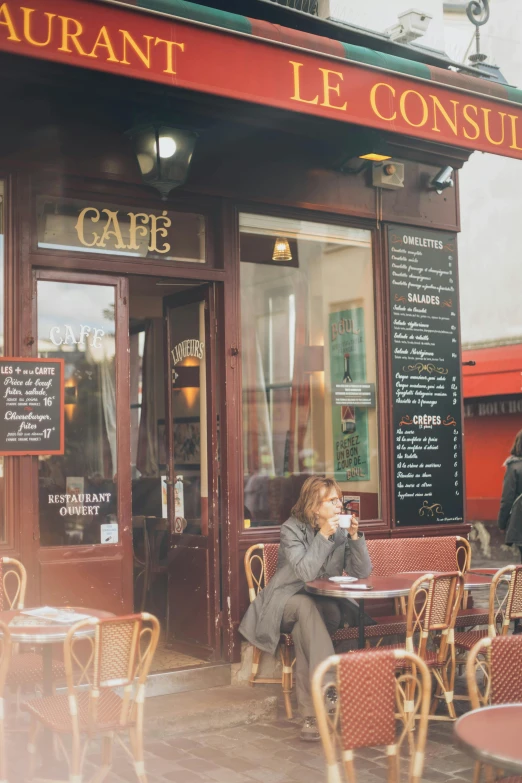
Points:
(63, 135)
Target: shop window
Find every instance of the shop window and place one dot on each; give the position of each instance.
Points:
(2, 251)
(308, 363)
(77, 226)
(77, 491)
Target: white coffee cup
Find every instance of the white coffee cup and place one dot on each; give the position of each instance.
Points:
(345, 520)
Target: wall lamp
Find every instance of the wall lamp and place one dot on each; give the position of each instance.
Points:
(363, 148)
(443, 180)
(164, 155)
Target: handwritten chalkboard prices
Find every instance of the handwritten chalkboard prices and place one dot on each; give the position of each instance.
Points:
(31, 406)
(426, 376)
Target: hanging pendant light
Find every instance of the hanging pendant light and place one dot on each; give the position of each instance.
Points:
(282, 250)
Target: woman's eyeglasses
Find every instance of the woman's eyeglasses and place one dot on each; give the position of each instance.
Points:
(336, 501)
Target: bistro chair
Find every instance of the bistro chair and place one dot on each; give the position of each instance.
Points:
(433, 603)
(5, 656)
(26, 667)
(120, 652)
(260, 566)
(505, 605)
(493, 677)
(371, 696)
(440, 553)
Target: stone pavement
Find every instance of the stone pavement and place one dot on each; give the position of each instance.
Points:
(265, 752)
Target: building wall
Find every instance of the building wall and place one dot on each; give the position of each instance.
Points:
(379, 14)
(490, 271)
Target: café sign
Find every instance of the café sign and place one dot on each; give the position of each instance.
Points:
(101, 228)
(440, 106)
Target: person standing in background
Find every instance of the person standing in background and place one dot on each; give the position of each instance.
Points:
(510, 513)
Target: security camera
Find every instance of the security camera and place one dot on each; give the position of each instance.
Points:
(443, 180)
(412, 24)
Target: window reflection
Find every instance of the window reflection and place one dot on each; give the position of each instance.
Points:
(307, 320)
(78, 490)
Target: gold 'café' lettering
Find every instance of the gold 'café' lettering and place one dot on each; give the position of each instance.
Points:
(67, 34)
(460, 118)
(140, 224)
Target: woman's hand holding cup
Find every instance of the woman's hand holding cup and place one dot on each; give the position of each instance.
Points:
(350, 523)
(329, 527)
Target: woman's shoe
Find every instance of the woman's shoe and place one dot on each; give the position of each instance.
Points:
(331, 700)
(309, 732)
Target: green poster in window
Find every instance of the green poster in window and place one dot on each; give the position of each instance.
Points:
(347, 345)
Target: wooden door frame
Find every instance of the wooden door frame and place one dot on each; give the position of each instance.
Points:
(97, 552)
(203, 292)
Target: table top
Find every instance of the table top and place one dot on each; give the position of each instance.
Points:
(492, 735)
(47, 634)
(380, 587)
(393, 586)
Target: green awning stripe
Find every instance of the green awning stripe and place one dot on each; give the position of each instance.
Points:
(388, 61)
(184, 9)
(199, 13)
(513, 94)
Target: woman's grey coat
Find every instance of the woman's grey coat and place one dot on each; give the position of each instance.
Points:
(303, 556)
(510, 516)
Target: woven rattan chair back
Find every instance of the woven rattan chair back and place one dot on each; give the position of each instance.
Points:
(433, 604)
(13, 583)
(118, 655)
(260, 567)
(444, 553)
(492, 667)
(371, 693)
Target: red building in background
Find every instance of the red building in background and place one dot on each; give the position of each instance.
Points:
(493, 415)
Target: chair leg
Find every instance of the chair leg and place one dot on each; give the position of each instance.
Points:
(106, 759)
(136, 741)
(287, 680)
(256, 657)
(32, 737)
(75, 768)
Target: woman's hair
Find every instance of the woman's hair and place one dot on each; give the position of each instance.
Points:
(516, 451)
(312, 492)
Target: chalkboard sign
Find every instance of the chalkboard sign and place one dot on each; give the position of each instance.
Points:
(426, 363)
(31, 406)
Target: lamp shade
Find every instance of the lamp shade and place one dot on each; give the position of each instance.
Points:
(282, 250)
(164, 155)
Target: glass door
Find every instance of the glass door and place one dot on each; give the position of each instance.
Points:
(85, 551)
(190, 484)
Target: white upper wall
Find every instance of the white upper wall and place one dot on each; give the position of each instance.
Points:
(490, 252)
(377, 15)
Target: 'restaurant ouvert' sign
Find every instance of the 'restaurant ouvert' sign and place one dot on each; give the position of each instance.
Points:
(185, 54)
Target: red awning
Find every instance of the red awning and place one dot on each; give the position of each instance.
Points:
(248, 60)
(498, 371)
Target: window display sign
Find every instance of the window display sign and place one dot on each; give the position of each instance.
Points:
(31, 406)
(349, 421)
(426, 376)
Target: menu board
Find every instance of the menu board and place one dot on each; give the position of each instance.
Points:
(427, 419)
(31, 406)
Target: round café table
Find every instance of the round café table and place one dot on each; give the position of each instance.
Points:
(374, 587)
(492, 735)
(47, 635)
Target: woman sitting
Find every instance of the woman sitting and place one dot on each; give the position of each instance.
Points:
(312, 546)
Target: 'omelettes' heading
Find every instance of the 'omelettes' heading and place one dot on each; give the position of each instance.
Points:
(182, 53)
(436, 244)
